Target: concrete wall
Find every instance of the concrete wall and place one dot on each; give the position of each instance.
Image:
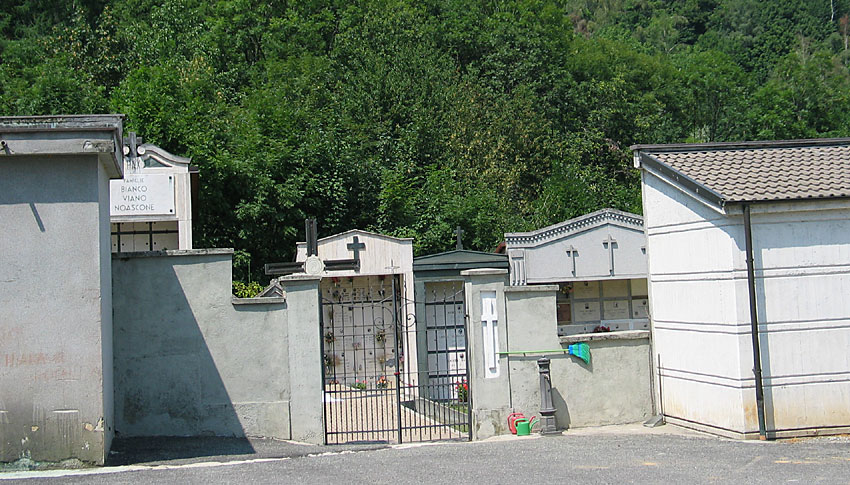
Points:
(55, 310)
(803, 257)
(489, 395)
(614, 388)
(52, 387)
(191, 360)
(699, 302)
(106, 350)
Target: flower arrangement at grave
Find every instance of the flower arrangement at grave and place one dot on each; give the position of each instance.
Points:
(359, 384)
(601, 329)
(331, 361)
(381, 336)
(462, 389)
(382, 383)
(329, 337)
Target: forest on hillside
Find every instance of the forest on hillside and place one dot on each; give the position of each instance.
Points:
(413, 117)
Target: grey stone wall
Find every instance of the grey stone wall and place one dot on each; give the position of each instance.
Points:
(192, 360)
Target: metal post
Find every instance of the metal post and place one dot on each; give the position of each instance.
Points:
(398, 348)
(751, 282)
(547, 410)
(325, 398)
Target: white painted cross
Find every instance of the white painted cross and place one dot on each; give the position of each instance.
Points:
(572, 253)
(609, 243)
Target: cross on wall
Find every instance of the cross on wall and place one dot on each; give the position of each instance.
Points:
(131, 145)
(610, 243)
(132, 152)
(311, 229)
(330, 265)
(572, 252)
(356, 246)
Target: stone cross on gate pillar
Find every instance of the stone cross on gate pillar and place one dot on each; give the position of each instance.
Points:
(311, 230)
(132, 150)
(356, 246)
(459, 233)
(572, 253)
(131, 145)
(609, 243)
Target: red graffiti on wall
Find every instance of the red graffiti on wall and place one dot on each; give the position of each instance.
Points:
(32, 358)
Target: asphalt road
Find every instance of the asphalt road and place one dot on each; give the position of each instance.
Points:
(603, 455)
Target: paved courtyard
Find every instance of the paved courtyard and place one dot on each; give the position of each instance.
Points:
(618, 454)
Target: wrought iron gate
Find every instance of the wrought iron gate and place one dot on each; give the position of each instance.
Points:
(387, 377)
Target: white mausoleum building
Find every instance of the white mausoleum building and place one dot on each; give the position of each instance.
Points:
(749, 276)
(359, 307)
(599, 262)
(151, 207)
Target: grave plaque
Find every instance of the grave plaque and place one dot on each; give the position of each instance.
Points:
(639, 308)
(142, 194)
(587, 311)
(586, 289)
(639, 288)
(615, 288)
(616, 310)
(564, 313)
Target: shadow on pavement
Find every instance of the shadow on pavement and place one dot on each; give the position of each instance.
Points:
(185, 450)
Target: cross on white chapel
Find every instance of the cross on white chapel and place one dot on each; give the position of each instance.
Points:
(572, 253)
(609, 243)
(356, 246)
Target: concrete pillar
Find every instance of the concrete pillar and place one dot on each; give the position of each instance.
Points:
(56, 286)
(303, 308)
(490, 391)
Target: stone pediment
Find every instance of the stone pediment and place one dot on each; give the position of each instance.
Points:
(574, 226)
(153, 156)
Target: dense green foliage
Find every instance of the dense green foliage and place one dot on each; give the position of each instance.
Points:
(412, 117)
(246, 290)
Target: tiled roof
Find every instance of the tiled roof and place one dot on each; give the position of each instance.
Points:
(759, 171)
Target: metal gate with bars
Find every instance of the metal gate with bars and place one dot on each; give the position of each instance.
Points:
(388, 377)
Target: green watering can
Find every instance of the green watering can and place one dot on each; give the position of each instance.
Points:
(523, 426)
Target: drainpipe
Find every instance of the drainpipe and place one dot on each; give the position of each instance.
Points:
(754, 323)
